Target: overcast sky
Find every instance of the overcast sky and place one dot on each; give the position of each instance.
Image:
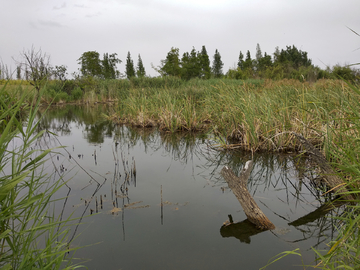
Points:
(66, 29)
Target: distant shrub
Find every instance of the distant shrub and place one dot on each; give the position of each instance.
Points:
(68, 86)
(76, 94)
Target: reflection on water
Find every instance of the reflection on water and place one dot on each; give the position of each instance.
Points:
(158, 201)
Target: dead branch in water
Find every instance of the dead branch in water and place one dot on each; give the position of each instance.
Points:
(238, 186)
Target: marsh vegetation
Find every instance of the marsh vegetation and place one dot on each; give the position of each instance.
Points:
(247, 115)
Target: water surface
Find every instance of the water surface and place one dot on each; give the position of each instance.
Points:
(170, 213)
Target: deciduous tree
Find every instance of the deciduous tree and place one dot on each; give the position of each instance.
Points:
(90, 64)
(37, 64)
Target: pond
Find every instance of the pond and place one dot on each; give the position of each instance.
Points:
(142, 199)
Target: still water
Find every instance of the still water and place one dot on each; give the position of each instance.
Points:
(149, 200)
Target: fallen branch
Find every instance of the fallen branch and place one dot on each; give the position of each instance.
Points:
(238, 186)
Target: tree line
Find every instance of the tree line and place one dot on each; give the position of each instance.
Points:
(290, 63)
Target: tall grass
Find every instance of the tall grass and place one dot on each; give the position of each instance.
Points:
(344, 151)
(252, 116)
(31, 237)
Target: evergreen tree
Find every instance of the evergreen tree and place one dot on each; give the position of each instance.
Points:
(240, 63)
(140, 72)
(130, 70)
(190, 65)
(217, 65)
(205, 70)
(266, 61)
(248, 63)
(276, 54)
(294, 57)
(171, 65)
(258, 54)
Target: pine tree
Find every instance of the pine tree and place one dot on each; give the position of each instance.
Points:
(258, 54)
(130, 70)
(248, 63)
(205, 70)
(240, 63)
(217, 65)
(140, 72)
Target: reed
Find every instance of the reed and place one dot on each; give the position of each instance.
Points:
(31, 237)
(343, 149)
(247, 115)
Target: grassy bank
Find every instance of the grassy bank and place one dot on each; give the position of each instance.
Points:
(253, 115)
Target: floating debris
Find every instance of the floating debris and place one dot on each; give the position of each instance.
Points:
(115, 210)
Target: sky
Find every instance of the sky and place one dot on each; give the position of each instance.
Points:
(66, 29)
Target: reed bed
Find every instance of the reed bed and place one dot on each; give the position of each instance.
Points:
(255, 117)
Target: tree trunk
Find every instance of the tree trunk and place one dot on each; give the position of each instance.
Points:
(238, 187)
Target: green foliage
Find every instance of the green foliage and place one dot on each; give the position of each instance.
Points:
(345, 73)
(77, 94)
(109, 62)
(171, 65)
(60, 73)
(217, 65)
(130, 70)
(295, 57)
(204, 63)
(237, 74)
(248, 63)
(240, 63)
(190, 65)
(25, 198)
(140, 71)
(90, 64)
